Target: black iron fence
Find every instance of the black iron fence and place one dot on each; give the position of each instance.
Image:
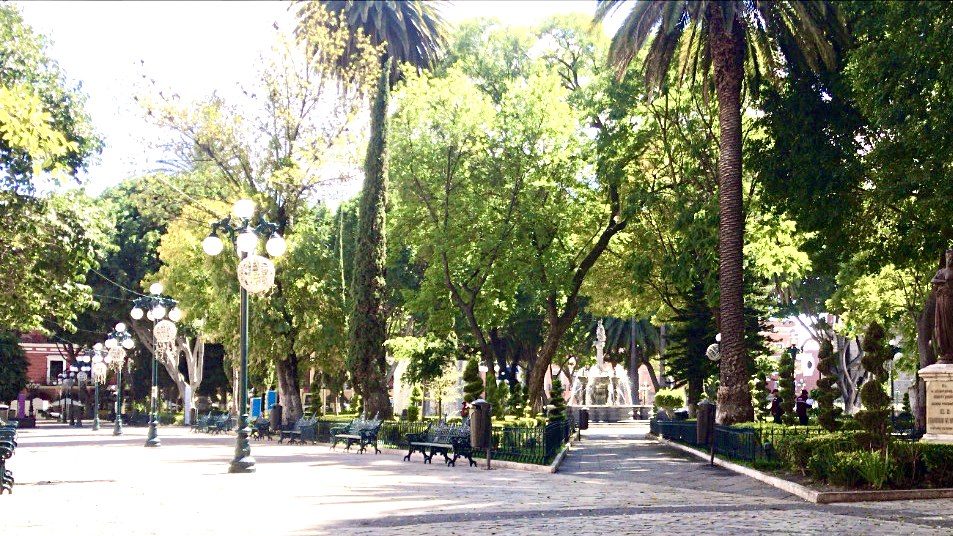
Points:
(752, 444)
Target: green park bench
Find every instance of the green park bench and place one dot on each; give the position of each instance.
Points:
(8, 443)
(361, 431)
(304, 429)
(444, 439)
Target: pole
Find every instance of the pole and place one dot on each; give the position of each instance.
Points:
(893, 399)
(117, 426)
(153, 438)
(96, 406)
(243, 461)
(69, 399)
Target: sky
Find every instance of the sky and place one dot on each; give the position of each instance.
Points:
(195, 48)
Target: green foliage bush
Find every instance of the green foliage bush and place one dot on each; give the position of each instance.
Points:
(938, 464)
(875, 417)
(786, 386)
(473, 385)
(556, 400)
(668, 400)
(413, 410)
(13, 365)
(796, 450)
(828, 391)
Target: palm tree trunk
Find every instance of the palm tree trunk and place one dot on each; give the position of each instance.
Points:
(727, 48)
(367, 326)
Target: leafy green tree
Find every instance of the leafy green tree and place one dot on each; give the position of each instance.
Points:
(268, 148)
(473, 386)
(875, 417)
(760, 390)
(44, 127)
(715, 38)
(405, 34)
(516, 400)
(827, 413)
(13, 365)
(786, 387)
(558, 411)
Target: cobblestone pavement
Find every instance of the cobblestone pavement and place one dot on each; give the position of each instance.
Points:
(80, 482)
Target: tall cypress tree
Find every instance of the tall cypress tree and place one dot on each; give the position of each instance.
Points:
(875, 417)
(827, 388)
(473, 385)
(786, 388)
(558, 413)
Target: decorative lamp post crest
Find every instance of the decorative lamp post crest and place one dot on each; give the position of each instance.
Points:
(256, 274)
(118, 342)
(155, 307)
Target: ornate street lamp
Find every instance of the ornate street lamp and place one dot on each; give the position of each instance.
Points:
(155, 306)
(82, 375)
(256, 274)
(99, 376)
(69, 379)
(60, 380)
(116, 345)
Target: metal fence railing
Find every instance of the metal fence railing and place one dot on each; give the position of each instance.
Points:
(746, 444)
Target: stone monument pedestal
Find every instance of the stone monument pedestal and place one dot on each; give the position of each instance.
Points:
(939, 383)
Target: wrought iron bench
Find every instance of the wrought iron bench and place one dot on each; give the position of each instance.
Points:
(442, 438)
(220, 424)
(360, 431)
(201, 423)
(261, 429)
(8, 443)
(304, 429)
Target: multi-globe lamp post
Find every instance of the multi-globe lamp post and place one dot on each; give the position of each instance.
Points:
(256, 274)
(98, 369)
(116, 345)
(81, 370)
(154, 307)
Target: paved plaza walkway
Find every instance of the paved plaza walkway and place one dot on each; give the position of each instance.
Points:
(79, 482)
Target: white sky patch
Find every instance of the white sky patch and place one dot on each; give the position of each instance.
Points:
(195, 49)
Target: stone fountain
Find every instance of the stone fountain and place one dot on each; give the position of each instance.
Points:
(603, 388)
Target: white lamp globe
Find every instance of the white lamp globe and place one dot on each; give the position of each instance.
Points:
(136, 313)
(120, 327)
(98, 347)
(276, 246)
(247, 242)
(175, 314)
(158, 312)
(73, 368)
(128, 343)
(244, 208)
(111, 343)
(97, 358)
(212, 245)
(149, 315)
(108, 358)
(718, 337)
(156, 288)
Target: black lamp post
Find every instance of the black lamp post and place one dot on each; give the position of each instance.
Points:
(118, 342)
(255, 274)
(154, 307)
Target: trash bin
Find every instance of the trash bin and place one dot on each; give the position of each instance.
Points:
(706, 423)
(584, 419)
(275, 417)
(480, 424)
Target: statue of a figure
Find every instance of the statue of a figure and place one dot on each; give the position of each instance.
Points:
(600, 342)
(943, 326)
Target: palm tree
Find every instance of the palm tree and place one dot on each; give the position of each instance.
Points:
(712, 41)
(407, 33)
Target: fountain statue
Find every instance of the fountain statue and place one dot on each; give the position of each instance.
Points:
(603, 388)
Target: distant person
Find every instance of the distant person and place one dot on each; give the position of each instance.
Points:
(465, 411)
(802, 404)
(776, 410)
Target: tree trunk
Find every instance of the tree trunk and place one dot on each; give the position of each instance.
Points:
(727, 49)
(367, 326)
(288, 394)
(925, 328)
(558, 325)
